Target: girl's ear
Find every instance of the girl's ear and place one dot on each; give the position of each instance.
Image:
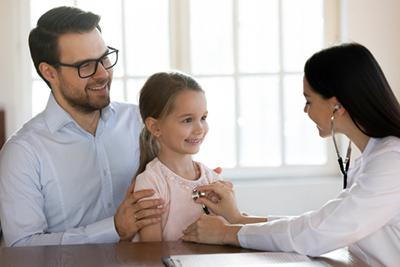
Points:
(152, 126)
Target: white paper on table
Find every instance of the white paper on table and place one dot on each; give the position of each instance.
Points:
(281, 259)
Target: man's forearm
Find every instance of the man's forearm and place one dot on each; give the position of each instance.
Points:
(98, 232)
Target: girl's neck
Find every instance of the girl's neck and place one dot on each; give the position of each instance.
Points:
(182, 165)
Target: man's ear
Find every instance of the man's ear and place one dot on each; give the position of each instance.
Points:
(48, 72)
(152, 126)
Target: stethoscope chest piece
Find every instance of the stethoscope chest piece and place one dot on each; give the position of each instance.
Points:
(197, 194)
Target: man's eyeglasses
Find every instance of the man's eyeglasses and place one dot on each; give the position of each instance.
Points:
(88, 68)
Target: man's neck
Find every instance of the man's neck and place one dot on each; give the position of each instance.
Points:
(87, 120)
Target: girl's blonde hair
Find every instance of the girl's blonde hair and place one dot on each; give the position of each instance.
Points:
(156, 100)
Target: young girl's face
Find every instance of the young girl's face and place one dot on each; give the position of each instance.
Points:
(183, 130)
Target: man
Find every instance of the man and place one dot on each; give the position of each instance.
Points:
(65, 176)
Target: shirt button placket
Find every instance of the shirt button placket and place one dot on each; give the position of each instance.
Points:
(107, 190)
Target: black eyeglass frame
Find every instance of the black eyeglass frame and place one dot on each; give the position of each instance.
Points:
(99, 60)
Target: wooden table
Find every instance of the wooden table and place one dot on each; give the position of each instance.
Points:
(131, 254)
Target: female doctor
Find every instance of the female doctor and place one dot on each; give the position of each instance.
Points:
(346, 92)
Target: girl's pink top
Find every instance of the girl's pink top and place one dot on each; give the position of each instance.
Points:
(181, 210)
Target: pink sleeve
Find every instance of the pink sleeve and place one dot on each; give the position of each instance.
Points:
(215, 177)
(150, 180)
(211, 175)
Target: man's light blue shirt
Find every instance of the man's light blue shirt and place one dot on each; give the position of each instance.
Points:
(59, 184)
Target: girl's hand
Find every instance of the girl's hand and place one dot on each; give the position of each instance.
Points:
(220, 199)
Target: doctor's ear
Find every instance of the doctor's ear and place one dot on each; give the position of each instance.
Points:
(338, 109)
(152, 126)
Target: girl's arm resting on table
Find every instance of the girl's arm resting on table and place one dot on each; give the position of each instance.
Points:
(151, 233)
(151, 180)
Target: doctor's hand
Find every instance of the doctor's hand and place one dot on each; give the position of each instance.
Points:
(134, 214)
(209, 229)
(211, 195)
(220, 199)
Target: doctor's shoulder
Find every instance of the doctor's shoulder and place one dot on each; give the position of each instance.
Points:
(380, 168)
(383, 146)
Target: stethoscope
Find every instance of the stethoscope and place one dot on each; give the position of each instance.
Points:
(197, 194)
(343, 165)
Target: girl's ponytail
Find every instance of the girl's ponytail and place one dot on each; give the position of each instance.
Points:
(149, 149)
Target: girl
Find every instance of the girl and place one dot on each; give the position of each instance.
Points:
(347, 92)
(174, 110)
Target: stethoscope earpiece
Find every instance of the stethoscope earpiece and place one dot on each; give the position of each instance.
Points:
(336, 108)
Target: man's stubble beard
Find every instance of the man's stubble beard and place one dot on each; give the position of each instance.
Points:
(84, 102)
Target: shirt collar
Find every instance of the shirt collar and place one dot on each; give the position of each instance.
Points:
(107, 112)
(56, 117)
(369, 147)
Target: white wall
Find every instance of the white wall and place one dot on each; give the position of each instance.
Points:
(288, 196)
(375, 24)
(15, 94)
(370, 22)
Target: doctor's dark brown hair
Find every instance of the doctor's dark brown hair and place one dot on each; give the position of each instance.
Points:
(157, 98)
(43, 40)
(351, 74)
